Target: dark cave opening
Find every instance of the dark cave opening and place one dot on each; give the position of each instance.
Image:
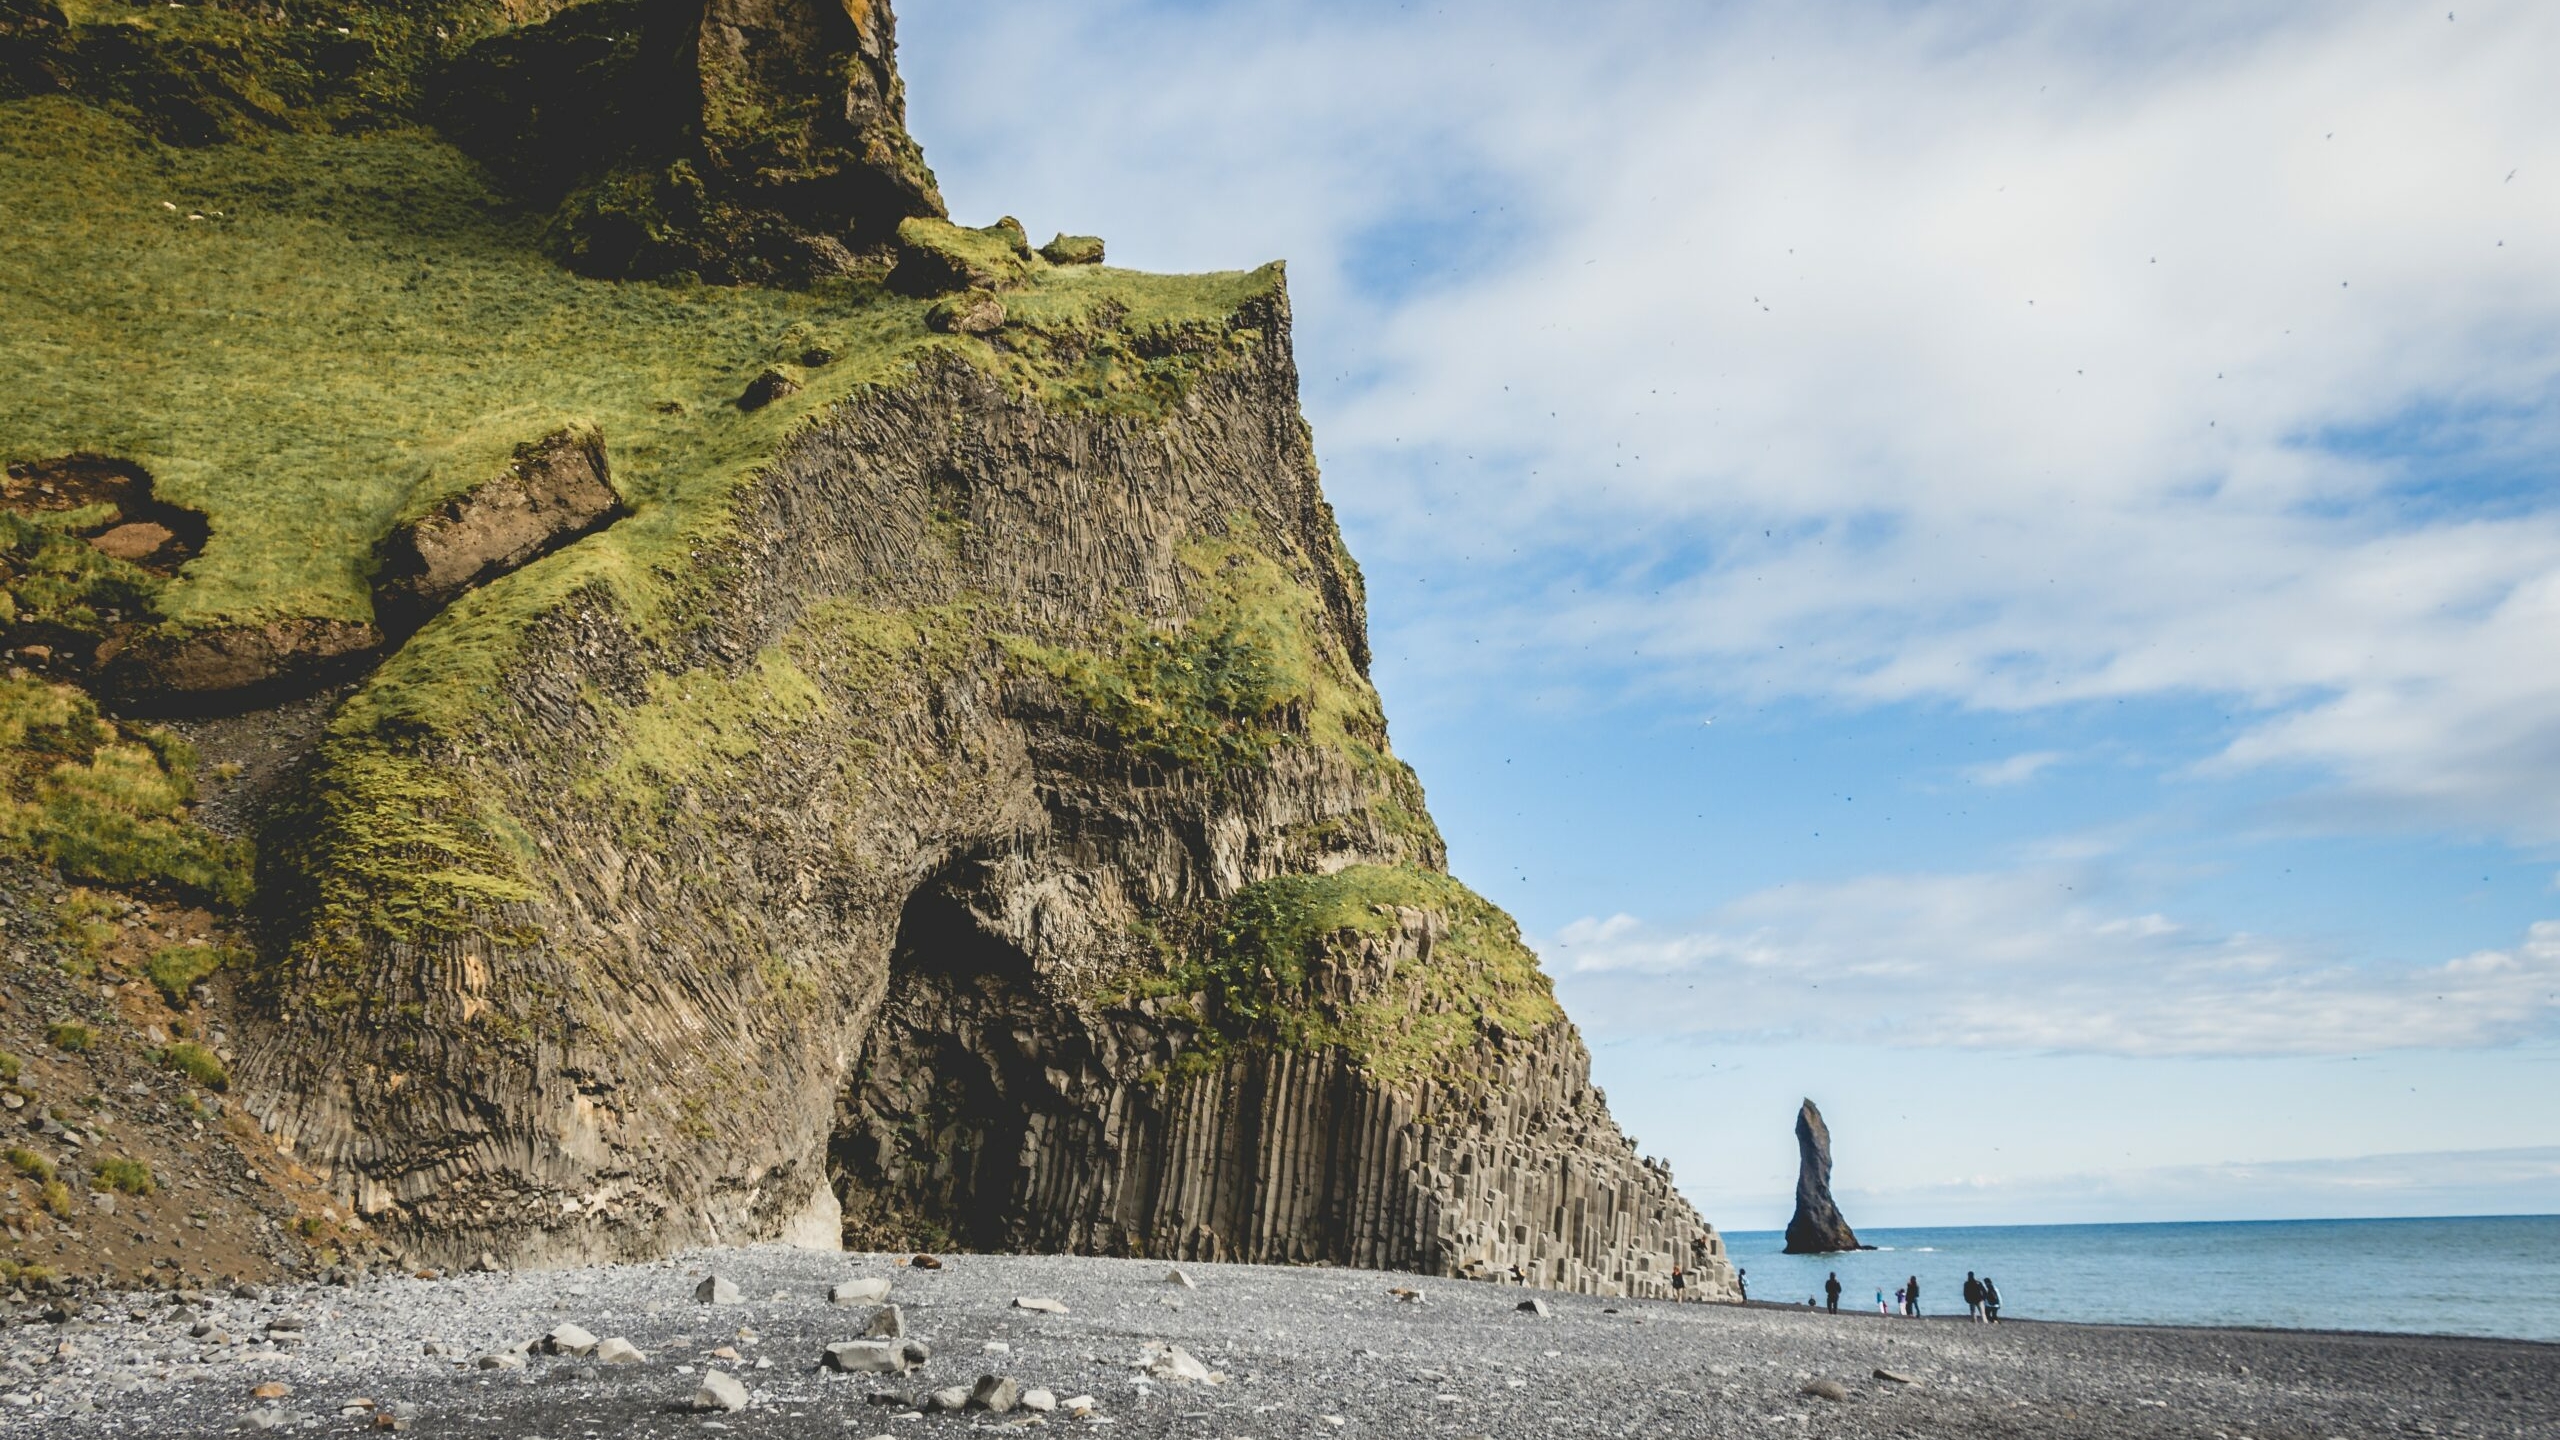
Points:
(930, 1132)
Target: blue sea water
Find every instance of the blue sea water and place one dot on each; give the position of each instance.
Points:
(2495, 1275)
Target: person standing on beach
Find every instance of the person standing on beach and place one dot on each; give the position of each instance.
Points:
(1742, 1282)
(1880, 1302)
(1679, 1284)
(1972, 1296)
(1831, 1291)
(1990, 1301)
(1911, 1296)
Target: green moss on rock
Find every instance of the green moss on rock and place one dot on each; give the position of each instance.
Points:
(936, 257)
(1067, 249)
(1277, 965)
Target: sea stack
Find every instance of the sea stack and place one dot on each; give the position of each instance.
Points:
(1818, 1227)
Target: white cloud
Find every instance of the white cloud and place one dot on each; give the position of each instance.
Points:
(2518, 1181)
(2031, 960)
(2016, 770)
(2008, 360)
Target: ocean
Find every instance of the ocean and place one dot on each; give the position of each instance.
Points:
(2485, 1276)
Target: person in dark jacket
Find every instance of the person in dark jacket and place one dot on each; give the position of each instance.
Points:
(1831, 1291)
(1972, 1296)
(1990, 1301)
(1911, 1296)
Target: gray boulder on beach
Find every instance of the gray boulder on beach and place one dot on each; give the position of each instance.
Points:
(870, 1290)
(717, 1290)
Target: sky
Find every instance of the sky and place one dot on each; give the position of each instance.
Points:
(1992, 565)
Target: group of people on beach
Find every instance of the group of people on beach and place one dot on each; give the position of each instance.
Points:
(1981, 1297)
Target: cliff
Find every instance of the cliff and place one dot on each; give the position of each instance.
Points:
(878, 747)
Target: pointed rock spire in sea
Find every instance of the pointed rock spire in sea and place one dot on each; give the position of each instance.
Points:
(1818, 1227)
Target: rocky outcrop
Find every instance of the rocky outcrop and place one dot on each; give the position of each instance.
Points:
(548, 493)
(1065, 249)
(215, 668)
(732, 139)
(1817, 1227)
(937, 739)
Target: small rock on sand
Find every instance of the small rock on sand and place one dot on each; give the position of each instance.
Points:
(618, 1351)
(719, 1391)
(1824, 1389)
(864, 1357)
(1172, 1362)
(1535, 1306)
(1896, 1376)
(568, 1340)
(1176, 1277)
(995, 1394)
(1039, 1401)
(870, 1290)
(1041, 1303)
(887, 1323)
(716, 1290)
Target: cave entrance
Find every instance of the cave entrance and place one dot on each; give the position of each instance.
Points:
(931, 1130)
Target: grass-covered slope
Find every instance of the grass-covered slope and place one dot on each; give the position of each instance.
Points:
(305, 336)
(298, 335)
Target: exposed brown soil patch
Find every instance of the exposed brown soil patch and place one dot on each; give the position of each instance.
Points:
(142, 529)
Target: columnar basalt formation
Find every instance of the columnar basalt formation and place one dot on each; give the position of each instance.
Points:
(1817, 1227)
(929, 790)
(987, 1115)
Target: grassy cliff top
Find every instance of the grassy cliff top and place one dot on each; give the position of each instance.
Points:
(298, 336)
